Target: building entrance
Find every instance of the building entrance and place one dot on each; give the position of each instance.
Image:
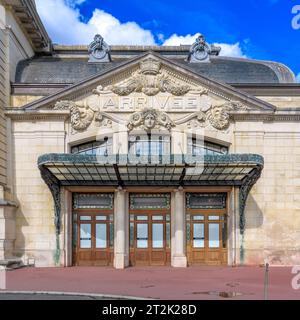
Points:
(150, 229)
(206, 230)
(93, 230)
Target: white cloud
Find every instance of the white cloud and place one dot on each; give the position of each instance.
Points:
(74, 3)
(119, 33)
(298, 77)
(229, 50)
(176, 40)
(63, 23)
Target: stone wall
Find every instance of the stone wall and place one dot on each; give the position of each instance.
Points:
(35, 217)
(4, 89)
(273, 207)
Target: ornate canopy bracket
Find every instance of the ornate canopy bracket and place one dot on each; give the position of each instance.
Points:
(54, 187)
(244, 191)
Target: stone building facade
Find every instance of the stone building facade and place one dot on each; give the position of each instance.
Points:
(113, 155)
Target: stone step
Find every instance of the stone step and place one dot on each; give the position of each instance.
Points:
(12, 263)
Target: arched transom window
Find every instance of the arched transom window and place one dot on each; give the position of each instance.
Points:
(149, 145)
(101, 147)
(198, 147)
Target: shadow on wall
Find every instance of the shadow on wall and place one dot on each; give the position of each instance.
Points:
(21, 221)
(253, 214)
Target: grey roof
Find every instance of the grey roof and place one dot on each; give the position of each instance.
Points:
(222, 69)
(56, 70)
(238, 71)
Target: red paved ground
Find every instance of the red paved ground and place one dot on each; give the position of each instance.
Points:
(156, 282)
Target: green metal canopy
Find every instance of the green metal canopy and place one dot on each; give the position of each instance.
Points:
(242, 170)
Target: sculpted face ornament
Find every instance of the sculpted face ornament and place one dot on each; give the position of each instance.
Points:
(81, 115)
(219, 117)
(149, 119)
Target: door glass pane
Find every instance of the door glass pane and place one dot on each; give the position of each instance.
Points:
(224, 234)
(142, 235)
(101, 239)
(131, 234)
(213, 235)
(74, 235)
(213, 217)
(111, 234)
(188, 231)
(157, 235)
(168, 234)
(85, 236)
(85, 218)
(158, 218)
(100, 218)
(198, 217)
(198, 240)
(141, 218)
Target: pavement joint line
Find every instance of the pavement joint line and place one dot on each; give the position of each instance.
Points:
(97, 295)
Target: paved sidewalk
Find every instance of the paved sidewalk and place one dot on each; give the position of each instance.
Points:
(192, 283)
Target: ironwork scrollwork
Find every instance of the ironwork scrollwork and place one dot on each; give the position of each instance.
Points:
(244, 191)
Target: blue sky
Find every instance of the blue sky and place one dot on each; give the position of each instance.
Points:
(259, 29)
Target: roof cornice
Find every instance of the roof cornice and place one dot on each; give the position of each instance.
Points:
(27, 16)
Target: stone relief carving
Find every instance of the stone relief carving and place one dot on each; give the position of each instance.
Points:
(81, 115)
(99, 50)
(149, 119)
(103, 120)
(201, 50)
(150, 80)
(217, 116)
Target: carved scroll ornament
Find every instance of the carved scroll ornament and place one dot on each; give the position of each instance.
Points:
(82, 115)
(217, 116)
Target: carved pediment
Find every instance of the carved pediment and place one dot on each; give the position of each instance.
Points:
(149, 79)
(151, 94)
(148, 82)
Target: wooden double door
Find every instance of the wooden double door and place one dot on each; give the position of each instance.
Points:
(206, 232)
(93, 238)
(150, 242)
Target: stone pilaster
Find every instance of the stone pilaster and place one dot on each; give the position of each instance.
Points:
(178, 251)
(7, 230)
(121, 254)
